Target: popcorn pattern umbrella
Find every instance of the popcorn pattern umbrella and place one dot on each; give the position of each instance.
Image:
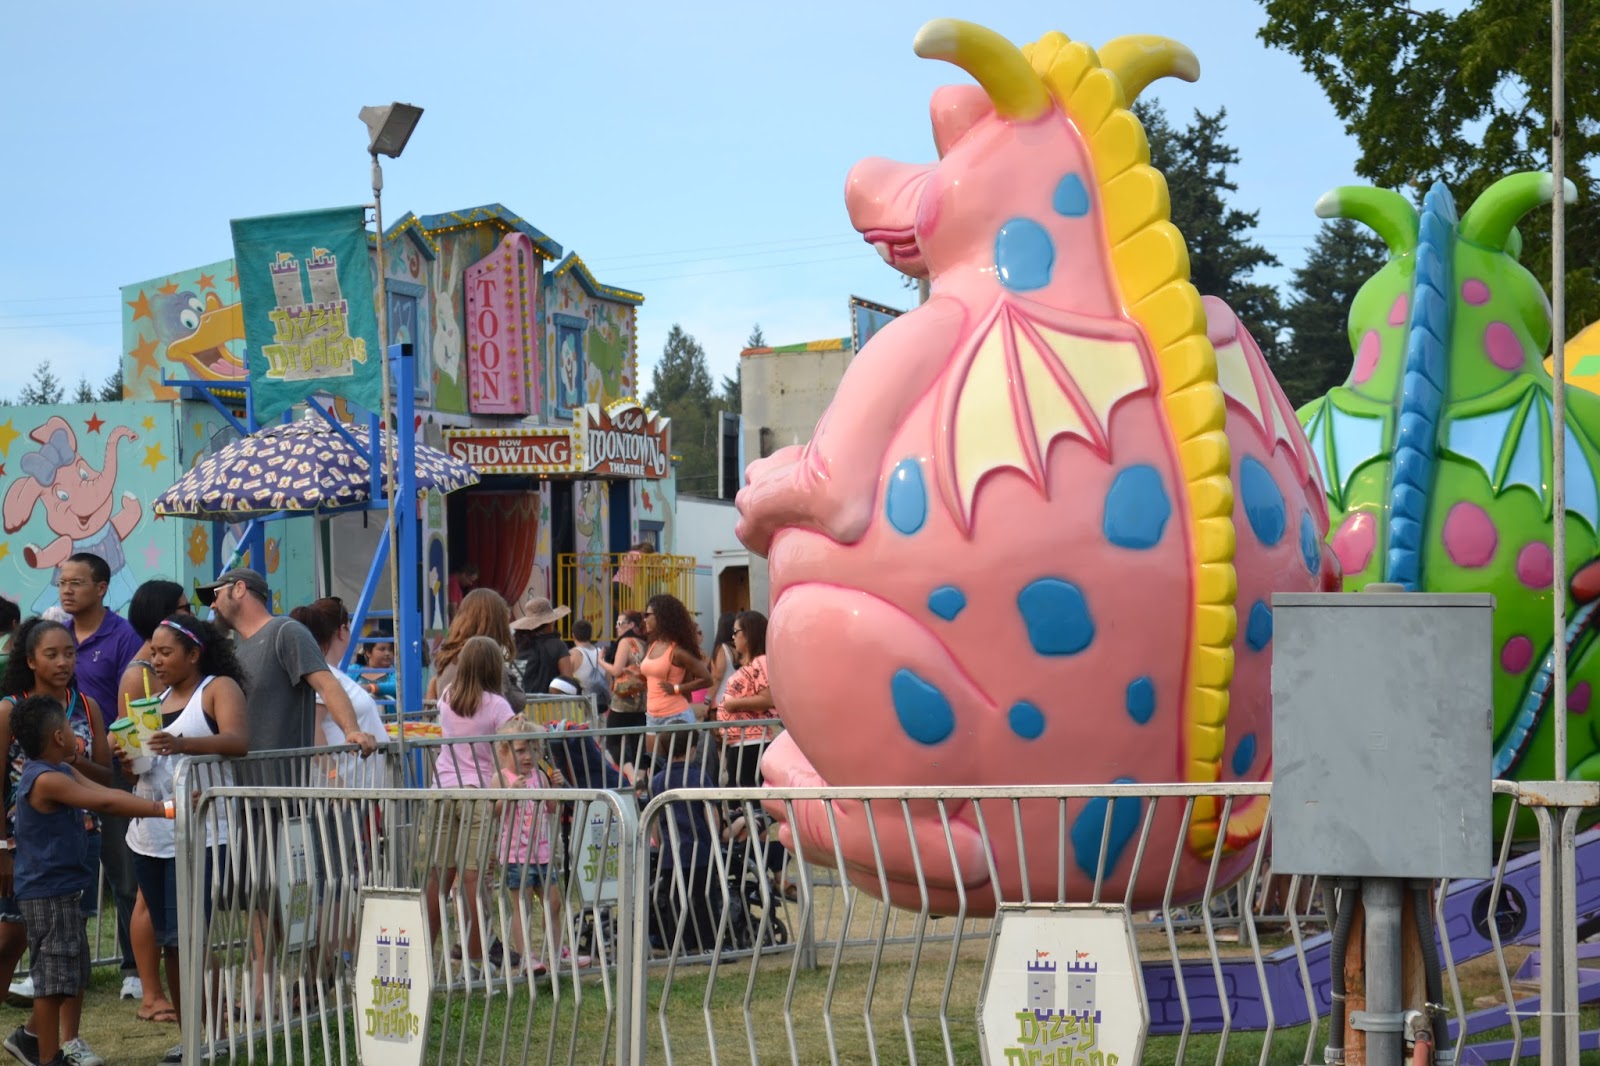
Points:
(306, 466)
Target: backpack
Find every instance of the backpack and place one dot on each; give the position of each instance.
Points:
(593, 678)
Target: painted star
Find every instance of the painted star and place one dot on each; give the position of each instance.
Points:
(152, 555)
(153, 455)
(233, 279)
(208, 281)
(149, 424)
(144, 353)
(169, 288)
(94, 422)
(141, 307)
(8, 436)
(5, 550)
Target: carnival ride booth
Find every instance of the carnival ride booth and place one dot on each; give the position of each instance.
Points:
(556, 512)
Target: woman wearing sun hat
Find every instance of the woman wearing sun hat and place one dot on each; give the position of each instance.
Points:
(544, 656)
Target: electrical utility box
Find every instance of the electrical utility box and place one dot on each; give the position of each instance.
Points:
(1382, 732)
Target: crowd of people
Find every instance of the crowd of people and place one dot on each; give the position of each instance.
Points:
(657, 673)
(244, 680)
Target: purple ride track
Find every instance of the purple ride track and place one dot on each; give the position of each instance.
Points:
(1465, 925)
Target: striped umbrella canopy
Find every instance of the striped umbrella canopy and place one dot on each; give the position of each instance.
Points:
(298, 466)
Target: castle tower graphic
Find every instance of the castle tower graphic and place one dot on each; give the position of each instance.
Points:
(323, 270)
(286, 285)
(1042, 989)
(1081, 977)
(384, 955)
(402, 960)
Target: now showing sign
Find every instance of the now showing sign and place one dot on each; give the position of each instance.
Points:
(625, 440)
(514, 451)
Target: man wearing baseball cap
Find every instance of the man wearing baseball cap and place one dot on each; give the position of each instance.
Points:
(285, 671)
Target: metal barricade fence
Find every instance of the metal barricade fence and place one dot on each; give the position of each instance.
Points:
(724, 964)
(271, 940)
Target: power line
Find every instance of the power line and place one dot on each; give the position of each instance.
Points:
(745, 269)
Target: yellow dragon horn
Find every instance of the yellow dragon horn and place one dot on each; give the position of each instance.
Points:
(1490, 219)
(1139, 59)
(993, 61)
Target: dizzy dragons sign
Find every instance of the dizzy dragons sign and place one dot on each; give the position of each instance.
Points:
(625, 440)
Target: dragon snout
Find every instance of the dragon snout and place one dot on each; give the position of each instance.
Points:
(882, 197)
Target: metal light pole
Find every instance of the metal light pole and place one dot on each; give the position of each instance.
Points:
(390, 128)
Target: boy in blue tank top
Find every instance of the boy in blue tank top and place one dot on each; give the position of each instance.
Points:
(51, 842)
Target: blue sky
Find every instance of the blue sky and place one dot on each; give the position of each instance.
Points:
(696, 155)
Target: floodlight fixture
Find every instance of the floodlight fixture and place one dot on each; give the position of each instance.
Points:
(390, 127)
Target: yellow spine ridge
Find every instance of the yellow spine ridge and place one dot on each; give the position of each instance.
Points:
(1150, 261)
(1137, 197)
(1216, 583)
(1197, 409)
(1214, 540)
(1204, 453)
(1118, 144)
(1093, 101)
(1211, 499)
(1190, 361)
(1217, 624)
(1171, 313)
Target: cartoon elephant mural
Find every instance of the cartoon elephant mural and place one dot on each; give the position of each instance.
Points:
(80, 506)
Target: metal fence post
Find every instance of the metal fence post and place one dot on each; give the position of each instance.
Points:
(1558, 968)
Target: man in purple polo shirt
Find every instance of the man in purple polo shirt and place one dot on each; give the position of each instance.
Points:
(106, 645)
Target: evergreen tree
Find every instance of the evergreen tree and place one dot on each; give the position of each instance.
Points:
(45, 388)
(1461, 96)
(682, 390)
(732, 398)
(85, 393)
(1317, 356)
(1222, 257)
(111, 390)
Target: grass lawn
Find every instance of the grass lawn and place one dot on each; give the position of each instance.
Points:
(738, 1017)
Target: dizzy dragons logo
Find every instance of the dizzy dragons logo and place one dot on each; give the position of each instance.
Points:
(1057, 1030)
(390, 1017)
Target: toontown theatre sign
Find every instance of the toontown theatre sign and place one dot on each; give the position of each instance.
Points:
(621, 441)
(625, 440)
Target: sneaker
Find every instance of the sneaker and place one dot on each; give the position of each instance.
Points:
(78, 1053)
(175, 1055)
(23, 1046)
(567, 960)
(132, 987)
(22, 989)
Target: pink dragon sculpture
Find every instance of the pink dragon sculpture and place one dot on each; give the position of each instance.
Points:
(1035, 537)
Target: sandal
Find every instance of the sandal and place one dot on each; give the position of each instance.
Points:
(159, 1016)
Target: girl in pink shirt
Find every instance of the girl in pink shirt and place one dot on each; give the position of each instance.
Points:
(527, 831)
(471, 706)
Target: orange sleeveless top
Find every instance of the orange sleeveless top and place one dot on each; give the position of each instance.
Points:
(660, 675)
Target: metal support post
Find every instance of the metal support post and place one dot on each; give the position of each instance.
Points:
(1383, 1020)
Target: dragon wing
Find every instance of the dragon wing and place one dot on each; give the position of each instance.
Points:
(1026, 376)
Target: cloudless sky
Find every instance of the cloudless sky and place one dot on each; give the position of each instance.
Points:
(695, 153)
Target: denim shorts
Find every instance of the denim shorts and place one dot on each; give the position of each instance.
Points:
(158, 881)
(526, 875)
(683, 717)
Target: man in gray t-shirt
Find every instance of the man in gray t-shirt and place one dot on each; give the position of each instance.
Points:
(284, 669)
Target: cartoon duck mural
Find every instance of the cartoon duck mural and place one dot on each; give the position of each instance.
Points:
(197, 333)
(1437, 451)
(1035, 537)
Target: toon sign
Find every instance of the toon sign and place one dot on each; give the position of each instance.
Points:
(625, 440)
